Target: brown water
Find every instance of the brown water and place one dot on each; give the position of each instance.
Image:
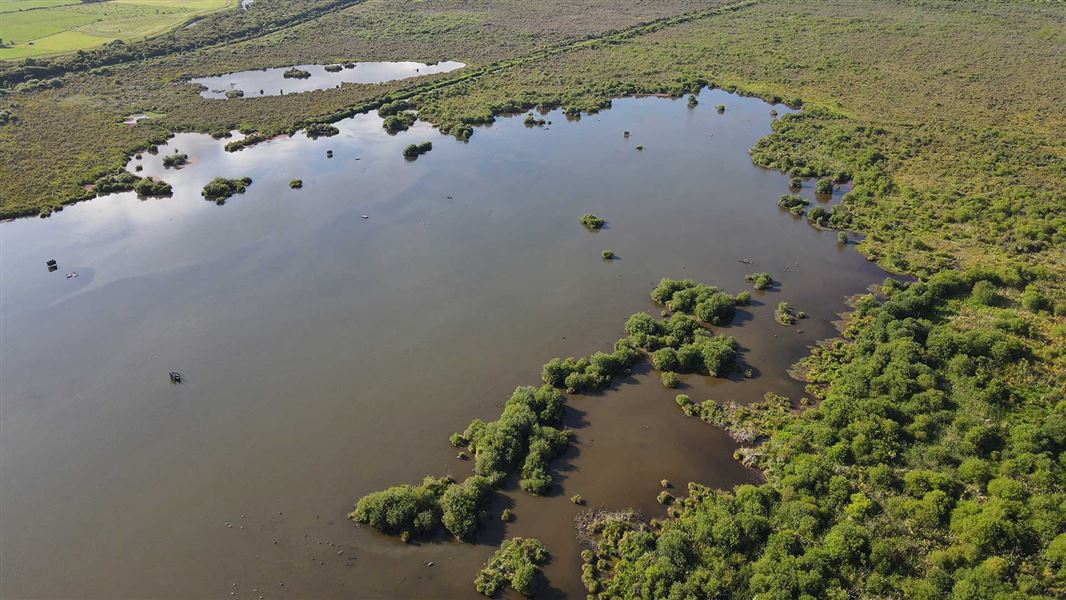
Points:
(272, 82)
(327, 355)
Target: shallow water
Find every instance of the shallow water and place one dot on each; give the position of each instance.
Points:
(327, 355)
(272, 82)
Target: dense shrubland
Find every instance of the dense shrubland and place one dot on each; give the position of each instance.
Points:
(929, 468)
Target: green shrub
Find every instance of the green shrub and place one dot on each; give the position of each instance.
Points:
(296, 184)
(824, 186)
(220, 188)
(317, 130)
(591, 221)
(670, 379)
(760, 281)
(403, 509)
(461, 505)
(607, 254)
(175, 160)
(399, 121)
(413, 151)
(795, 204)
(516, 563)
(152, 187)
(983, 293)
(784, 314)
(1034, 300)
(295, 73)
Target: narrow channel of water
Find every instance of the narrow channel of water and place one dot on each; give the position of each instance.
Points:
(327, 355)
(272, 82)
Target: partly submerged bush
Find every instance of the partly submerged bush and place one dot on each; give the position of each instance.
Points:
(591, 221)
(152, 187)
(295, 73)
(175, 160)
(404, 510)
(317, 130)
(413, 151)
(399, 121)
(516, 563)
(220, 188)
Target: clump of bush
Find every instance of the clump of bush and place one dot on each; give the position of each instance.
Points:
(296, 184)
(122, 181)
(592, 373)
(220, 188)
(152, 187)
(842, 238)
(692, 101)
(332, 68)
(795, 204)
(234, 93)
(413, 151)
(532, 121)
(591, 221)
(720, 108)
(516, 563)
(607, 254)
(524, 436)
(795, 183)
(175, 160)
(295, 73)
(404, 510)
(760, 281)
(819, 216)
(394, 107)
(399, 121)
(824, 186)
(785, 314)
(317, 130)
(670, 379)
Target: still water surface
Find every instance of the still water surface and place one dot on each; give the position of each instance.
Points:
(327, 355)
(272, 82)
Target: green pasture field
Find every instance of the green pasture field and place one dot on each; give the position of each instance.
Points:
(57, 26)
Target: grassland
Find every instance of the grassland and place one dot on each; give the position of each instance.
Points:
(41, 27)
